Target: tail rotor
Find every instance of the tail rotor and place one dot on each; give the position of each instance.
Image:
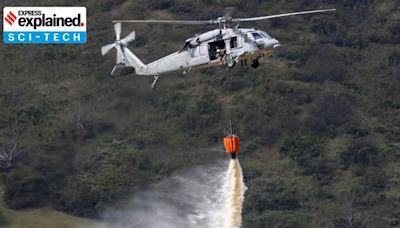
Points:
(119, 44)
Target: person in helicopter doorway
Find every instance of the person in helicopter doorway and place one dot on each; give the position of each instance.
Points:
(221, 55)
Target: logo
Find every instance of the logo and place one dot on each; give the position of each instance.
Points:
(52, 25)
(10, 18)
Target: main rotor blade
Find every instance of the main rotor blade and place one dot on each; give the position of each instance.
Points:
(165, 22)
(282, 15)
(107, 48)
(117, 29)
(129, 37)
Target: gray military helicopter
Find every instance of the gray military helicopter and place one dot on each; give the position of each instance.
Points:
(224, 46)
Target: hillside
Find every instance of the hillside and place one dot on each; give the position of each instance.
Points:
(41, 217)
(319, 122)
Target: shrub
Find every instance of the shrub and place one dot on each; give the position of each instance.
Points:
(360, 153)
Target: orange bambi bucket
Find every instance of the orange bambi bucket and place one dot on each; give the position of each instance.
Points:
(232, 144)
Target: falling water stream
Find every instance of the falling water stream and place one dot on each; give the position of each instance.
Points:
(209, 196)
(235, 197)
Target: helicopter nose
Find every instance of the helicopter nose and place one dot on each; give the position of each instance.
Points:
(271, 43)
(276, 43)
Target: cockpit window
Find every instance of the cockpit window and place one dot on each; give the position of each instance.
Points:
(266, 35)
(256, 35)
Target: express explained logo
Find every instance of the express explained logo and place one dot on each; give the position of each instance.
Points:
(10, 18)
(44, 25)
(49, 21)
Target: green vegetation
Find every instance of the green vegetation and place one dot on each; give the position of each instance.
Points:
(43, 217)
(320, 122)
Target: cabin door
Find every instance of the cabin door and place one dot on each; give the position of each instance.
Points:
(198, 55)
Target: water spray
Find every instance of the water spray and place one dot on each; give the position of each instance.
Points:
(235, 188)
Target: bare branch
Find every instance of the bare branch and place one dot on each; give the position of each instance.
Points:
(8, 154)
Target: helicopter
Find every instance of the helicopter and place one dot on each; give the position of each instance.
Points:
(224, 46)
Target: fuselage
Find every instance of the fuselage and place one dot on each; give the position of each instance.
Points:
(205, 50)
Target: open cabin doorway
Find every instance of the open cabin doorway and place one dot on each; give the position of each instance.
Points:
(213, 48)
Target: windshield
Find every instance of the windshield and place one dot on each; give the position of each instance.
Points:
(256, 35)
(266, 35)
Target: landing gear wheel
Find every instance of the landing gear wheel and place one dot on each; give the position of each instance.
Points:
(255, 63)
(230, 62)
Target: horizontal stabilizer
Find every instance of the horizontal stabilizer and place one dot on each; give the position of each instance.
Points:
(121, 69)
